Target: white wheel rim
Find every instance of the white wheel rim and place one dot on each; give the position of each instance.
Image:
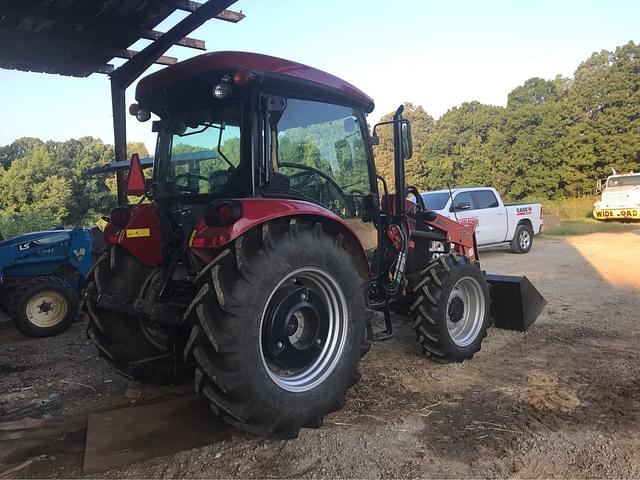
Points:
(525, 239)
(46, 309)
(465, 326)
(330, 352)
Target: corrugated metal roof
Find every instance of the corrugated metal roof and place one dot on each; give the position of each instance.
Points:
(79, 37)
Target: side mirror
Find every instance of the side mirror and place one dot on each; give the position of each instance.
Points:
(407, 140)
(461, 206)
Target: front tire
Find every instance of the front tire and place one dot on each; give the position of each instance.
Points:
(450, 308)
(278, 330)
(43, 306)
(522, 239)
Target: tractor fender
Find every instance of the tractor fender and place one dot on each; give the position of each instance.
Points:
(258, 211)
(137, 228)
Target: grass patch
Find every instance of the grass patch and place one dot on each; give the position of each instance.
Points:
(584, 226)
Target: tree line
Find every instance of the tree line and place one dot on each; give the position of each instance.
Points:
(554, 139)
(45, 184)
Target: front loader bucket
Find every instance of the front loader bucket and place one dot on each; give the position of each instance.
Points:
(515, 302)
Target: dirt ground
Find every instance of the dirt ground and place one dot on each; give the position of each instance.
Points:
(562, 400)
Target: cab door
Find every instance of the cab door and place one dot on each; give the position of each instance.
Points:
(323, 150)
(463, 211)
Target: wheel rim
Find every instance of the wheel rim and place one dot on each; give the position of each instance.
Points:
(303, 329)
(465, 311)
(46, 308)
(524, 239)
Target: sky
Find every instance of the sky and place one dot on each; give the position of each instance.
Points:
(434, 54)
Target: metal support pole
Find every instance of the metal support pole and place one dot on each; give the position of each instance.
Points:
(118, 106)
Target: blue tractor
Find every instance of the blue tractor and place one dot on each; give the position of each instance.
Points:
(41, 277)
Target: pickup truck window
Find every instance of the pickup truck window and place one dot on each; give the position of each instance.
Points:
(484, 199)
(435, 200)
(462, 201)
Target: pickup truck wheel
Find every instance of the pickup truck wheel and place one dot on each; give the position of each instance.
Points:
(522, 239)
(450, 308)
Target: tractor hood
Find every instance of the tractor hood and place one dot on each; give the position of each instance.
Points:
(39, 238)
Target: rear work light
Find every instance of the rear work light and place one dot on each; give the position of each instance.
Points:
(221, 213)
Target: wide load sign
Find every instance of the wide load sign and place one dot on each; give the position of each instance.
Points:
(616, 213)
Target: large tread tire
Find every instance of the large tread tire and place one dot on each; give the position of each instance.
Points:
(134, 347)
(235, 290)
(20, 293)
(431, 290)
(522, 240)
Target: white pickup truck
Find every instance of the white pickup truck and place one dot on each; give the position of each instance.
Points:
(495, 222)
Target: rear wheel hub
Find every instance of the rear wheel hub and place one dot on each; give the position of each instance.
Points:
(303, 330)
(296, 326)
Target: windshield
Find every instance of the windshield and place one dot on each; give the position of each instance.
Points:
(199, 154)
(435, 200)
(624, 181)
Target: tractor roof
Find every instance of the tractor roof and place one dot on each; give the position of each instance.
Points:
(264, 65)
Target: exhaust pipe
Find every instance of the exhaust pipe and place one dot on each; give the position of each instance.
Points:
(515, 302)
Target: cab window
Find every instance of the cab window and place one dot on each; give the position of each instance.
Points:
(320, 148)
(199, 153)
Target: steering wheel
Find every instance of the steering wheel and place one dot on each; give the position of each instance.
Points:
(331, 181)
(189, 177)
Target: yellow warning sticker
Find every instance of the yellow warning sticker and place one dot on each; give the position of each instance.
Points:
(138, 232)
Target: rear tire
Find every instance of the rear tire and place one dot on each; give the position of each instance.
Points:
(138, 349)
(278, 329)
(450, 308)
(522, 239)
(43, 306)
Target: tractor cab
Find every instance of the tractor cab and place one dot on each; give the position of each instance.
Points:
(241, 126)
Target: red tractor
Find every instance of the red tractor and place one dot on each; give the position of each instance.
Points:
(266, 246)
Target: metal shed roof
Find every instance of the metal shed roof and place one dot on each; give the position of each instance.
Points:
(79, 37)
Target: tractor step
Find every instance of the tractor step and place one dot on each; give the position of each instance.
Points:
(387, 334)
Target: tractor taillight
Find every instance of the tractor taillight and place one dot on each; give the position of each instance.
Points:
(221, 213)
(242, 77)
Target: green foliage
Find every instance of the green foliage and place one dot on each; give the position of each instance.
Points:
(44, 184)
(16, 223)
(586, 226)
(554, 139)
(421, 125)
